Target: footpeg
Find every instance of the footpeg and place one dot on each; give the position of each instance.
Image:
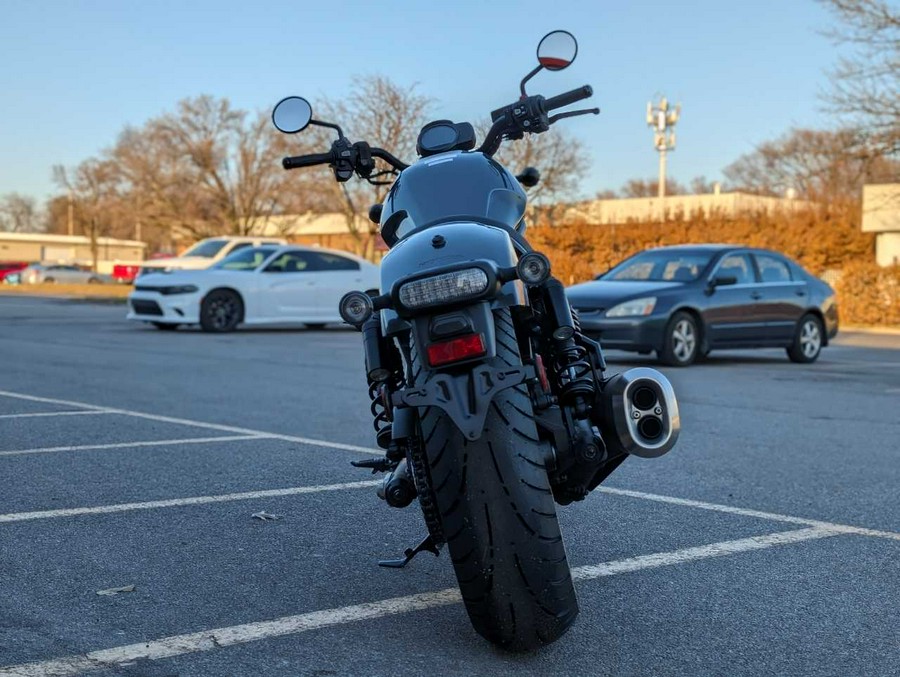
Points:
(428, 544)
(376, 464)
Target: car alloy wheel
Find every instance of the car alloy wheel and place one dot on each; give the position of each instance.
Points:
(810, 338)
(684, 340)
(221, 312)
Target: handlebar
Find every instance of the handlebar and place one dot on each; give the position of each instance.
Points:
(390, 159)
(306, 160)
(569, 97)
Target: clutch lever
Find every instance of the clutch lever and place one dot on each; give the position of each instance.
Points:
(573, 113)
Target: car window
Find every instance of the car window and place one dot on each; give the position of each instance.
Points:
(661, 266)
(239, 245)
(291, 262)
(328, 261)
(772, 269)
(245, 259)
(206, 248)
(739, 266)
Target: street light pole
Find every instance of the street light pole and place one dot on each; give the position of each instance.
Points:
(661, 119)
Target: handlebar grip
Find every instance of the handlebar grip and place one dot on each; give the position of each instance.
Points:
(306, 160)
(569, 97)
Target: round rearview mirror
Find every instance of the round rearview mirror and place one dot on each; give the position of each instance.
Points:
(557, 50)
(292, 114)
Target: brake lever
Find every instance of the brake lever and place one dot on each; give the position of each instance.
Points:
(573, 113)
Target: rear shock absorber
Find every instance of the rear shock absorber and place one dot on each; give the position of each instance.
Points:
(384, 375)
(573, 371)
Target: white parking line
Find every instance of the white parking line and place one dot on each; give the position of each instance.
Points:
(744, 512)
(127, 445)
(259, 434)
(198, 424)
(41, 414)
(178, 502)
(208, 640)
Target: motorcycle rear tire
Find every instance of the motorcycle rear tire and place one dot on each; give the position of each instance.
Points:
(498, 514)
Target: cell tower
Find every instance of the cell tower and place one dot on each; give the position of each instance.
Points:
(661, 119)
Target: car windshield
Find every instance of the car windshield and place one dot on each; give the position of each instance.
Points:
(661, 266)
(246, 259)
(206, 249)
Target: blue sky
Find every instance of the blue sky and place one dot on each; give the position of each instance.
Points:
(73, 73)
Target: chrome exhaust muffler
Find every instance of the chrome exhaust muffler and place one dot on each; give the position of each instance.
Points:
(640, 412)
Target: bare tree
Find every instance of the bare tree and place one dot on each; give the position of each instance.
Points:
(865, 88)
(650, 188)
(19, 213)
(206, 169)
(819, 165)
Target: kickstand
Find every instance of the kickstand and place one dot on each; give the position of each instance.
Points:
(427, 544)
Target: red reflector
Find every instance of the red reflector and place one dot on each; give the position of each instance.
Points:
(456, 349)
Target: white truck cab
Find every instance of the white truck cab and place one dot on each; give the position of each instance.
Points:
(205, 253)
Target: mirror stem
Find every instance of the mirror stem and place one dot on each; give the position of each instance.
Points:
(328, 124)
(528, 77)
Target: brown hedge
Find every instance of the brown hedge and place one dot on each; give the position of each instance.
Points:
(869, 294)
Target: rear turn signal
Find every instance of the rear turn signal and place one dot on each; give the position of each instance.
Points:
(456, 350)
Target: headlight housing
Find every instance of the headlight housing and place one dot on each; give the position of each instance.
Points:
(633, 308)
(452, 287)
(179, 289)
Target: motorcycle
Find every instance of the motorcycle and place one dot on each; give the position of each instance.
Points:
(490, 403)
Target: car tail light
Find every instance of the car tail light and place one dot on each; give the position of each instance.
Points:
(456, 350)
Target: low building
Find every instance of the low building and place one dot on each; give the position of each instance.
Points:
(881, 215)
(679, 207)
(72, 249)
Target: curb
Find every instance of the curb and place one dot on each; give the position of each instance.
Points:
(864, 329)
(62, 297)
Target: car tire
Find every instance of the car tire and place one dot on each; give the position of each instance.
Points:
(808, 340)
(314, 325)
(49, 280)
(93, 280)
(681, 341)
(165, 326)
(222, 310)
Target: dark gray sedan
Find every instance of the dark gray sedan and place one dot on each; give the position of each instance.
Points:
(684, 301)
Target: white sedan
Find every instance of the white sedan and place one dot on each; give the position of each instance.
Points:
(256, 285)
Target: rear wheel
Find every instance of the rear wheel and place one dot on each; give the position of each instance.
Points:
(222, 310)
(498, 515)
(807, 340)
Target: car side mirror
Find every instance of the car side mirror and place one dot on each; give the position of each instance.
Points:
(720, 281)
(530, 177)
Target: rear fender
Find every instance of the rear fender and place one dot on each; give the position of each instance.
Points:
(465, 390)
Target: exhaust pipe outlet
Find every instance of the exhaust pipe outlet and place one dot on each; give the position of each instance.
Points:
(640, 412)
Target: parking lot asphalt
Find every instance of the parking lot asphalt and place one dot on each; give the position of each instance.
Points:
(766, 543)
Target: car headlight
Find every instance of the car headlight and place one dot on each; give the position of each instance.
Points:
(642, 306)
(458, 285)
(183, 289)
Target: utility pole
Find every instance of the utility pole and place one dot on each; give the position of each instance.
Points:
(71, 213)
(661, 119)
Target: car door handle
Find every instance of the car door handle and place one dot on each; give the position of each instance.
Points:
(755, 295)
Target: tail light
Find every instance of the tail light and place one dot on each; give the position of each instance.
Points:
(456, 350)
